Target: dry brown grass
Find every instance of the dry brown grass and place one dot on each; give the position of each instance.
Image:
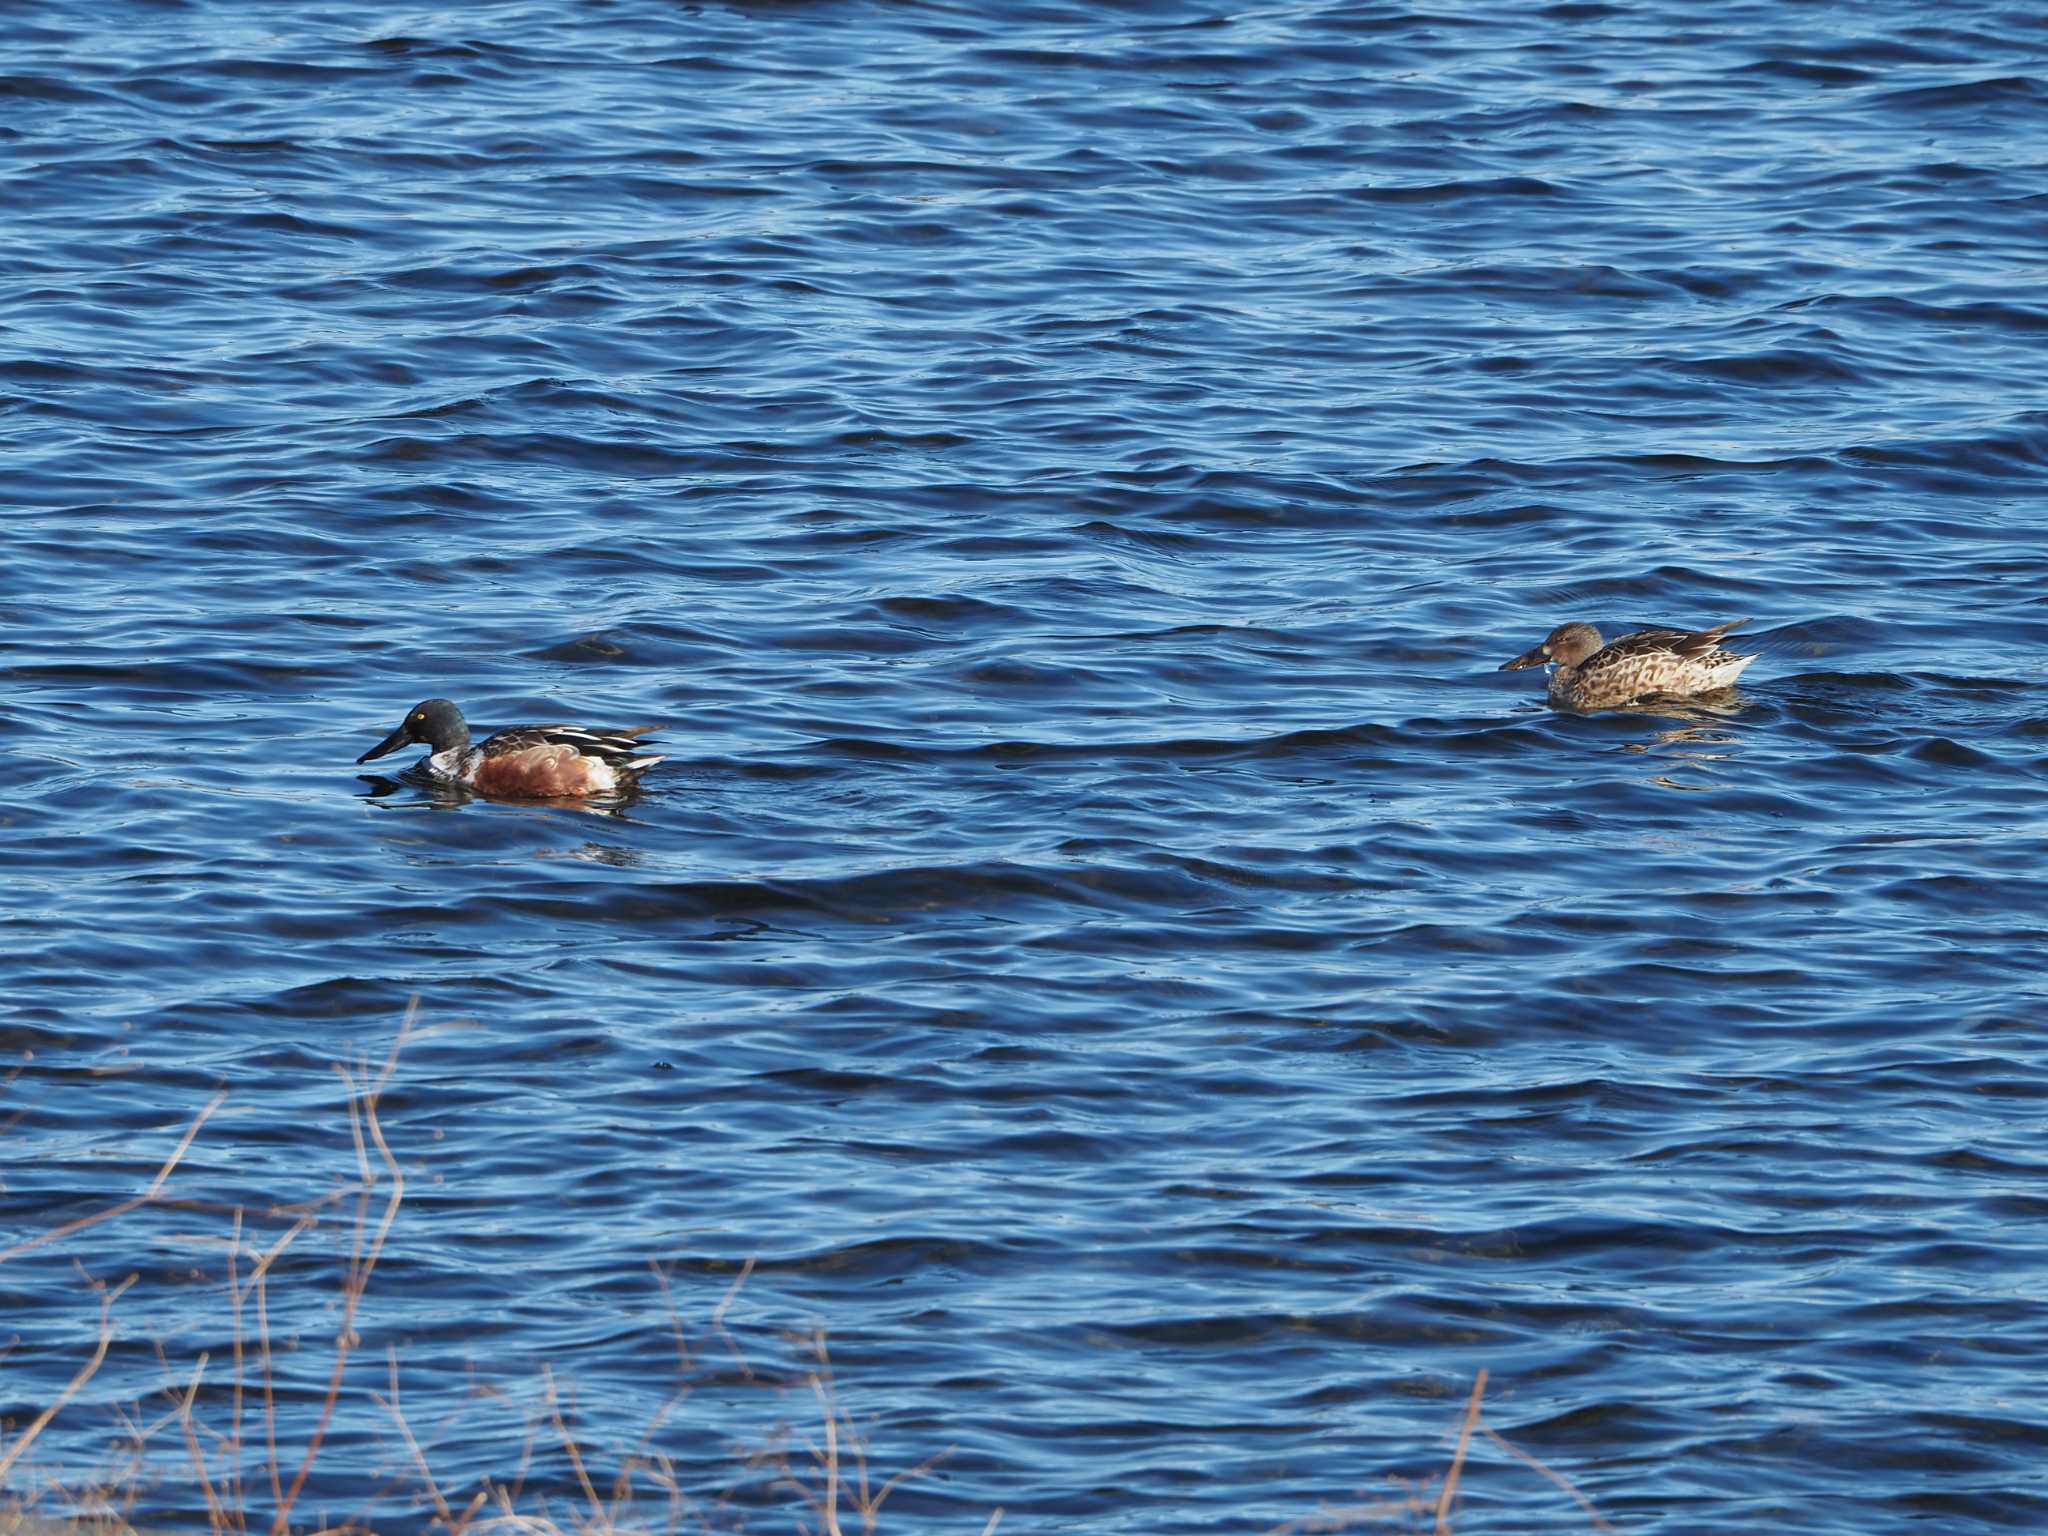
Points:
(638, 1490)
(1412, 1508)
(829, 1478)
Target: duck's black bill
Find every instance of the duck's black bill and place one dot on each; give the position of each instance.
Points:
(1530, 658)
(390, 743)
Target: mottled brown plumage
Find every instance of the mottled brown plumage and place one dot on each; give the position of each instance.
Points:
(1651, 663)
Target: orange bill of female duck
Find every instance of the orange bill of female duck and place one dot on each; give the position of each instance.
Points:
(1651, 663)
(523, 762)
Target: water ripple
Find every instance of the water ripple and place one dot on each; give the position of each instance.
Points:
(1107, 941)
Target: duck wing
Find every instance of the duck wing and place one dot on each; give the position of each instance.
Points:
(613, 746)
(1691, 644)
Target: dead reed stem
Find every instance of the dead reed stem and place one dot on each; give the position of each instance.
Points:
(85, 1372)
(134, 1202)
(718, 1318)
(841, 1464)
(838, 1427)
(554, 1402)
(362, 1109)
(189, 1427)
(235, 1299)
(259, 1278)
(1443, 1503)
(831, 1511)
(1413, 1508)
(419, 1457)
(1555, 1476)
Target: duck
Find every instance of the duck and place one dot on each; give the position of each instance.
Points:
(1651, 663)
(522, 762)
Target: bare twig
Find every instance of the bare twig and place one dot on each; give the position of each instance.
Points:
(525, 1462)
(675, 1320)
(259, 1278)
(833, 1459)
(1342, 1517)
(215, 1511)
(824, 1390)
(133, 1202)
(362, 1101)
(870, 1509)
(718, 1318)
(554, 1403)
(1556, 1477)
(1450, 1491)
(419, 1457)
(235, 1299)
(85, 1372)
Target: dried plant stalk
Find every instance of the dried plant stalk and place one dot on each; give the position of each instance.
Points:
(134, 1202)
(41, 1421)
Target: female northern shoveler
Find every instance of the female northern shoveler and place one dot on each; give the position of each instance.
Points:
(525, 762)
(1670, 662)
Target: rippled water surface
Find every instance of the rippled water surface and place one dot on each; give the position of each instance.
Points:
(1107, 943)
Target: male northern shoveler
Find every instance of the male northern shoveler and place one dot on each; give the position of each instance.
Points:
(524, 762)
(1670, 662)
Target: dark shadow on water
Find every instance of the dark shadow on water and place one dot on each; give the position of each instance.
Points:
(433, 795)
(1719, 707)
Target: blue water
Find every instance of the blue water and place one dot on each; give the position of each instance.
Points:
(1108, 943)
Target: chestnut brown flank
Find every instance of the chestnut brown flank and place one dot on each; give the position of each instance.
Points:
(542, 773)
